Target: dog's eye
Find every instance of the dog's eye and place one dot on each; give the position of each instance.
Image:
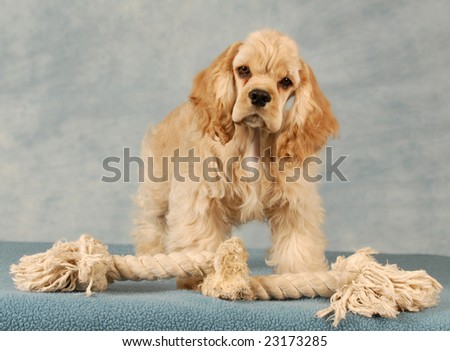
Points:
(285, 82)
(244, 72)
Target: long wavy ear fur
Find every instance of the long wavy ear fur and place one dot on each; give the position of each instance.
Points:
(213, 94)
(309, 122)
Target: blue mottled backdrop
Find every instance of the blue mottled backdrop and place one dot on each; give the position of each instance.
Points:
(81, 80)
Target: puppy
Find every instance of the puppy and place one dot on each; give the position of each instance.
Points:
(235, 152)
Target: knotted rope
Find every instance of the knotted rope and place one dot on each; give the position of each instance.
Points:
(358, 283)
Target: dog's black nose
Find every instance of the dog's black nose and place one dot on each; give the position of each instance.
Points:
(259, 98)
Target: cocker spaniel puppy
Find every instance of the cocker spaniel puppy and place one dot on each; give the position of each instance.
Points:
(237, 151)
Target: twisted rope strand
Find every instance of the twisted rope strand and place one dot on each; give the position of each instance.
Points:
(293, 286)
(178, 265)
(161, 266)
(87, 265)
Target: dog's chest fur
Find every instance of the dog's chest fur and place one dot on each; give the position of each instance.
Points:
(246, 195)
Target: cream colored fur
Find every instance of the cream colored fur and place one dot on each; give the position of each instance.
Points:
(184, 216)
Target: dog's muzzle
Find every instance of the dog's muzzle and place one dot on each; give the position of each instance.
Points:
(254, 121)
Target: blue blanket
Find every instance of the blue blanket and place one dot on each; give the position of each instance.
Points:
(160, 306)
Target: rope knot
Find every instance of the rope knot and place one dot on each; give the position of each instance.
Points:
(67, 266)
(368, 288)
(230, 279)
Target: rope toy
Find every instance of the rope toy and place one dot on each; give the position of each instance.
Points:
(358, 283)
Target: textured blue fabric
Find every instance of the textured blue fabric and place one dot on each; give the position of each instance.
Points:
(159, 306)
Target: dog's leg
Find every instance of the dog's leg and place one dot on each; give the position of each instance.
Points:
(196, 222)
(298, 243)
(150, 221)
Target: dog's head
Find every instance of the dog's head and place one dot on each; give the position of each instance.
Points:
(251, 82)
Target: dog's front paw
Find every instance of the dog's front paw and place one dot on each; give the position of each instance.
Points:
(190, 283)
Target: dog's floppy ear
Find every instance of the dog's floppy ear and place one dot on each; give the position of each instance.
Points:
(214, 94)
(309, 122)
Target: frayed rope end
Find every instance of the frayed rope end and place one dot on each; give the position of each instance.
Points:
(368, 288)
(67, 266)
